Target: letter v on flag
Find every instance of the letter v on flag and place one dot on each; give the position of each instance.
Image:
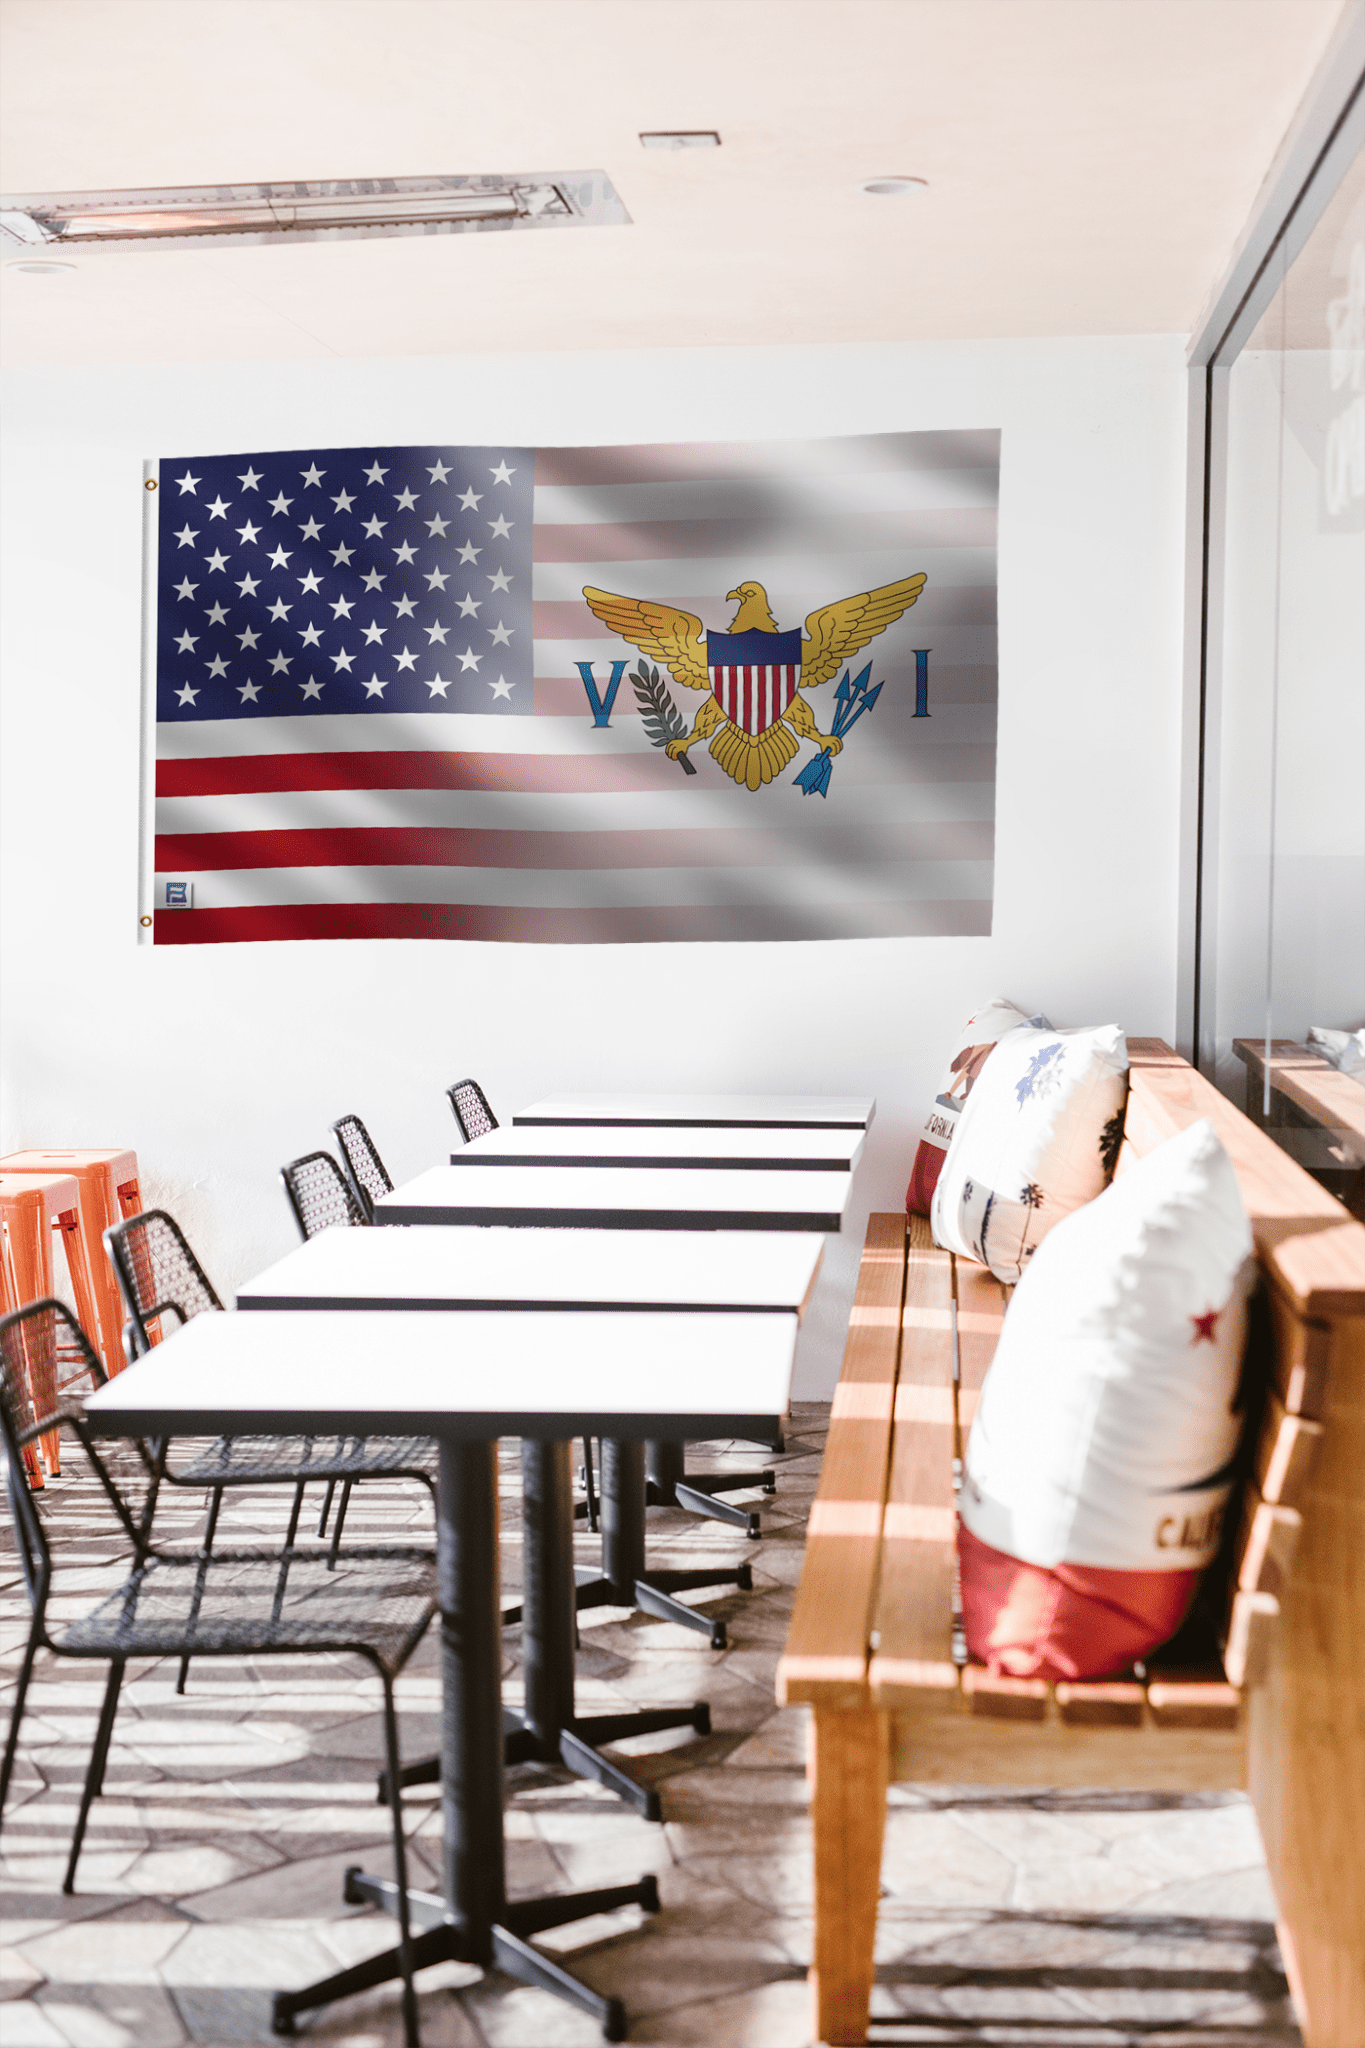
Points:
(601, 709)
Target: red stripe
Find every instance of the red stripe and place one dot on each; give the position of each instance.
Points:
(530, 774)
(680, 540)
(381, 846)
(569, 927)
(840, 455)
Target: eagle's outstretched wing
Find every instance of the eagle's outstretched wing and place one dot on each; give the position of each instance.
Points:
(838, 631)
(660, 631)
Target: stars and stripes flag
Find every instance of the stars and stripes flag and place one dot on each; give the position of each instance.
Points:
(373, 721)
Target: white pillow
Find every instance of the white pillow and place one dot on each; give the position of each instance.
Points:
(1106, 1430)
(983, 1029)
(1039, 1134)
(1345, 1049)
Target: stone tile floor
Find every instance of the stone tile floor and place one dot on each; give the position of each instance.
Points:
(212, 1870)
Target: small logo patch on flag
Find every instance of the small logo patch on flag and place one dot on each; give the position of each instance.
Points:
(175, 896)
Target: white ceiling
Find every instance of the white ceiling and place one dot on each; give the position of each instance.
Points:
(1090, 165)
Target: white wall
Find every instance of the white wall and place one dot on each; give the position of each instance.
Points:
(218, 1063)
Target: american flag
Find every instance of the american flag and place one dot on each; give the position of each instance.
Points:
(372, 719)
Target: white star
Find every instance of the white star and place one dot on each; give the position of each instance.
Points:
(312, 531)
(312, 688)
(435, 633)
(406, 660)
(405, 501)
(251, 479)
(469, 604)
(439, 684)
(187, 483)
(500, 688)
(502, 635)
(248, 532)
(342, 660)
(375, 526)
(280, 504)
(404, 606)
(341, 556)
(312, 581)
(439, 474)
(217, 561)
(186, 535)
(280, 610)
(343, 608)
(437, 579)
(438, 527)
(502, 581)
(373, 580)
(374, 688)
(343, 501)
(217, 667)
(312, 636)
(471, 500)
(218, 509)
(187, 641)
(248, 586)
(247, 639)
(248, 692)
(186, 696)
(407, 553)
(186, 589)
(374, 474)
(469, 659)
(281, 663)
(312, 475)
(469, 553)
(374, 632)
(216, 616)
(502, 474)
(279, 557)
(499, 528)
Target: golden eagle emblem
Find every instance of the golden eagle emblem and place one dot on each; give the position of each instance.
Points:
(754, 716)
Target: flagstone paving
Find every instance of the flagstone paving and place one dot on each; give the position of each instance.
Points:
(212, 1871)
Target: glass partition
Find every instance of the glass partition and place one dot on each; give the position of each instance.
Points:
(1285, 859)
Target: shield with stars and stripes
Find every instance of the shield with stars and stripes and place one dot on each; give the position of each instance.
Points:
(754, 676)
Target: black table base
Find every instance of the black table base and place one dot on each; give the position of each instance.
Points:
(668, 1484)
(472, 1921)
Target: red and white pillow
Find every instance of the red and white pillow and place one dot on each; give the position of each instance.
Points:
(973, 1047)
(1101, 1459)
(1039, 1136)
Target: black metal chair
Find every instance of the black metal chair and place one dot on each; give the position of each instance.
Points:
(320, 1194)
(369, 1175)
(159, 1277)
(470, 1106)
(236, 1603)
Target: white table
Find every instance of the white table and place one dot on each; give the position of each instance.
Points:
(619, 1198)
(694, 1112)
(467, 1380)
(777, 1149)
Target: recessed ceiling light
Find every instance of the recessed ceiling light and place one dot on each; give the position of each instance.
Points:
(346, 209)
(680, 138)
(44, 269)
(893, 188)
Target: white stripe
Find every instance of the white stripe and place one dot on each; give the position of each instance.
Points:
(800, 495)
(798, 580)
(691, 806)
(417, 732)
(967, 881)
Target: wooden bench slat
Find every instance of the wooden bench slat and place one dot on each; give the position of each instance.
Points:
(1285, 1453)
(826, 1655)
(1098, 1703)
(1266, 1543)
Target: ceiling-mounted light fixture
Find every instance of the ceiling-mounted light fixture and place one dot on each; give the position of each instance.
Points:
(679, 138)
(893, 188)
(40, 269)
(345, 209)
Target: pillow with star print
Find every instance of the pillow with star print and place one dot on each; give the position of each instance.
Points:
(1104, 1448)
(1038, 1135)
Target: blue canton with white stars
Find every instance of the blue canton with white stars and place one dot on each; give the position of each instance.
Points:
(345, 580)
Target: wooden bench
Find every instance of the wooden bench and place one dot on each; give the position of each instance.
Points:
(1322, 1107)
(1280, 1712)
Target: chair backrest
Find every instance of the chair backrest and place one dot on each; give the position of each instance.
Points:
(157, 1273)
(318, 1194)
(472, 1113)
(369, 1175)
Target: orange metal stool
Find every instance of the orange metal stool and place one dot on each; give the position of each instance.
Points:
(32, 1206)
(109, 1192)
(9, 1299)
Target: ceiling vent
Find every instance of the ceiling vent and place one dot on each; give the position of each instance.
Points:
(342, 209)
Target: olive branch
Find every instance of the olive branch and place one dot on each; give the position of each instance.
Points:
(662, 719)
